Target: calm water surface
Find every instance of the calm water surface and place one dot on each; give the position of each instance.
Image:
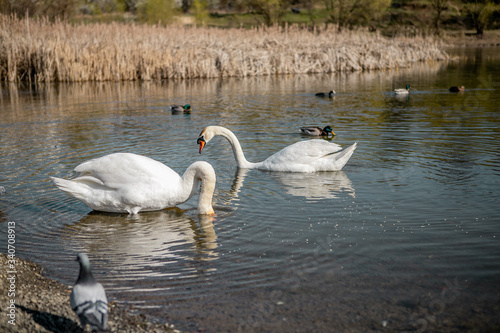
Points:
(406, 237)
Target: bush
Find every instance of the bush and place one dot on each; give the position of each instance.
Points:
(160, 12)
(200, 11)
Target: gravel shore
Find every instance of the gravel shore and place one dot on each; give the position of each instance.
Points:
(42, 305)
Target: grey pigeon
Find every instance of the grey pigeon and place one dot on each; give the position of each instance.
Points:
(88, 298)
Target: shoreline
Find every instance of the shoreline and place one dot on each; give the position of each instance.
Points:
(42, 305)
(464, 39)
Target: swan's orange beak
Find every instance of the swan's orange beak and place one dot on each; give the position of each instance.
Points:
(201, 142)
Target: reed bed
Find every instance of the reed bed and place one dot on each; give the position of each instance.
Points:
(41, 51)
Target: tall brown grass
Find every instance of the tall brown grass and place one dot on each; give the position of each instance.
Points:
(41, 51)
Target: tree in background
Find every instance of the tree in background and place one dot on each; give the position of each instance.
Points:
(439, 7)
(156, 11)
(271, 10)
(186, 4)
(200, 11)
(349, 13)
(479, 11)
(49, 8)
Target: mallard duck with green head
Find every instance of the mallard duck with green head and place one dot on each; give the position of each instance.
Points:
(403, 91)
(180, 108)
(317, 131)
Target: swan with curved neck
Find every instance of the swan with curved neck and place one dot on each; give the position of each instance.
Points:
(130, 183)
(302, 156)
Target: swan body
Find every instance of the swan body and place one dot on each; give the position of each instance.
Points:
(130, 183)
(303, 156)
(403, 91)
(322, 94)
(180, 108)
(317, 131)
(457, 89)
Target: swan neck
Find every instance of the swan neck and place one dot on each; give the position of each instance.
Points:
(200, 172)
(237, 150)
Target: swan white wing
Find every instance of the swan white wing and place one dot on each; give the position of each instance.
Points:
(124, 182)
(335, 161)
(114, 170)
(302, 156)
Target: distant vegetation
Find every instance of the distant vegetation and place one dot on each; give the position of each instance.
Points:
(100, 40)
(388, 16)
(42, 51)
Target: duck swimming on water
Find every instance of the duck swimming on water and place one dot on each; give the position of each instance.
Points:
(176, 109)
(317, 131)
(457, 89)
(403, 91)
(322, 94)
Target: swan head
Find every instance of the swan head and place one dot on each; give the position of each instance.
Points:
(206, 135)
(201, 142)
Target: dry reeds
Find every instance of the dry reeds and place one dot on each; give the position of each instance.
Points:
(41, 51)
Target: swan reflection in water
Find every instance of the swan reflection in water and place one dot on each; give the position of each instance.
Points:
(135, 245)
(317, 185)
(312, 186)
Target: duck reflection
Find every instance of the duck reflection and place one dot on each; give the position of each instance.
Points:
(145, 240)
(402, 98)
(312, 186)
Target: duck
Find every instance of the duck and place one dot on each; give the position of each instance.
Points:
(403, 91)
(88, 298)
(457, 89)
(303, 156)
(317, 131)
(131, 183)
(180, 108)
(322, 94)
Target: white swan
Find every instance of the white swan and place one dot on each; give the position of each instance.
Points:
(302, 156)
(129, 183)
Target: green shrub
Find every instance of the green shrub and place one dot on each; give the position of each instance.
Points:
(160, 12)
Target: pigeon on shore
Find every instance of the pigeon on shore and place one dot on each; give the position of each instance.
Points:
(88, 298)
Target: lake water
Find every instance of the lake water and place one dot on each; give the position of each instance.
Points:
(406, 237)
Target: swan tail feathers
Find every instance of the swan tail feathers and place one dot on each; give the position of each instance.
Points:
(344, 156)
(75, 189)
